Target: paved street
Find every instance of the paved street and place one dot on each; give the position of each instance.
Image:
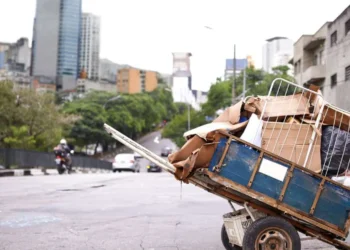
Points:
(111, 211)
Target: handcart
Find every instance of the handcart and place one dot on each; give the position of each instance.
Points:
(280, 195)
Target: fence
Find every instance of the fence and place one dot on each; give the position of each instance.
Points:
(28, 159)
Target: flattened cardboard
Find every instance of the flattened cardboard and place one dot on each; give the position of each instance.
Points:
(231, 114)
(291, 141)
(278, 106)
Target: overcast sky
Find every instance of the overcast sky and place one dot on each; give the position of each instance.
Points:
(144, 33)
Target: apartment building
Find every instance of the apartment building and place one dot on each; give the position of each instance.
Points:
(132, 80)
(323, 59)
(90, 46)
(309, 58)
(337, 85)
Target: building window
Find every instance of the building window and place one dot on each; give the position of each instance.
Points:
(347, 27)
(333, 80)
(334, 38)
(347, 73)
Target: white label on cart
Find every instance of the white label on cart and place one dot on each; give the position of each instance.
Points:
(273, 169)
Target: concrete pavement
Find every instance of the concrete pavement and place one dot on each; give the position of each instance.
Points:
(111, 211)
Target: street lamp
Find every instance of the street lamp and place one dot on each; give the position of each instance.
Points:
(111, 100)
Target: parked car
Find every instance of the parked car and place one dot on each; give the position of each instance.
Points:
(166, 151)
(125, 162)
(152, 167)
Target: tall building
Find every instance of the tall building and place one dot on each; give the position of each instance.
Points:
(241, 64)
(18, 56)
(276, 52)
(323, 59)
(3, 54)
(182, 79)
(309, 58)
(133, 81)
(90, 46)
(56, 41)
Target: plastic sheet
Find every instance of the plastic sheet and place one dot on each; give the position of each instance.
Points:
(335, 151)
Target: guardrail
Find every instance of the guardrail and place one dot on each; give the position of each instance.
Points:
(21, 158)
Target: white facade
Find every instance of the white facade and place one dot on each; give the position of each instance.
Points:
(84, 85)
(90, 45)
(276, 52)
(182, 93)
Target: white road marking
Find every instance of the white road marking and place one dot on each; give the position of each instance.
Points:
(156, 140)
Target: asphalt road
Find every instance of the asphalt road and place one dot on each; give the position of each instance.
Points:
(111, 211)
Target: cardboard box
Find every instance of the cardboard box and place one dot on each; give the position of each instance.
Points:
(291, 141)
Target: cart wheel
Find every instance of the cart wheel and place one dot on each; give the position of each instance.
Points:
(271, 233)
(226, 242)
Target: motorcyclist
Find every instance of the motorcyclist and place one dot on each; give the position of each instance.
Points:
(65, 148)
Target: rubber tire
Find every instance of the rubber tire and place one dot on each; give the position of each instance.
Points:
(114, 170)
(261, 224)
(226, 242)
(60, 171)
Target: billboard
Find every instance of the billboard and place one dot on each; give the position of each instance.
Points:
(240, 64)
(181, 64)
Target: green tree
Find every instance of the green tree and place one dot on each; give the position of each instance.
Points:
(178, 126)
(89, 128)
(20, 138)
(27, 114)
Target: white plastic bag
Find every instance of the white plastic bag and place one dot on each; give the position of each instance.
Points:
(252, 132)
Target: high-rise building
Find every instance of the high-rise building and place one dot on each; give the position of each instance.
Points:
(276, 52)
(90, 46)
(56, 41)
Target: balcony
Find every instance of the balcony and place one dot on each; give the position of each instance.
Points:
(315, 43)
(314, 74)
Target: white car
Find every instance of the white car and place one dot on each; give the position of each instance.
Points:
(125, 162)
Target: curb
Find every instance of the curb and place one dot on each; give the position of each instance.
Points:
(16, 172)
(40, 172)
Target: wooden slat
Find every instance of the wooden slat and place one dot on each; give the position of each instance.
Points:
(255, 170)
(228, 143)
(286, 182)
(317, 197)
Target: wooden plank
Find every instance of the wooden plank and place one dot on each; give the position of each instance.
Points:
(286, 182)
(273, 203)
(317, 197)
(218, 167)
(256, 168)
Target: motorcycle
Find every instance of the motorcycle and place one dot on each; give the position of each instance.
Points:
(61, 161)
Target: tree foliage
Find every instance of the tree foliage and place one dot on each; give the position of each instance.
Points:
(28, 119)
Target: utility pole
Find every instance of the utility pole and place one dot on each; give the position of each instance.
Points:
(244, 81)
(188, 117)
(234, 75)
